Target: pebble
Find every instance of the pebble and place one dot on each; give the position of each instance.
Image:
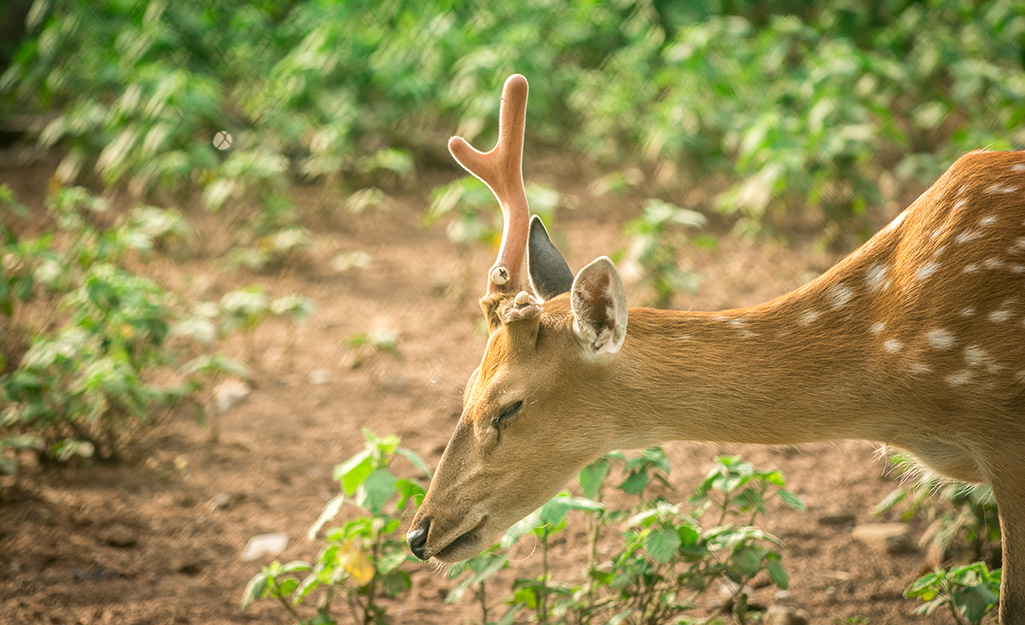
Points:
(889, 537)
(779, 615)
(120, 536)
(229, 394)
(264, 546)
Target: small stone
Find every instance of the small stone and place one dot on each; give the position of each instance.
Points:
(120, 536)
(319, 377)
(779, 615)
(264, 546)
(220, 501)
(229, 394)
(889, 537)
(837, 519)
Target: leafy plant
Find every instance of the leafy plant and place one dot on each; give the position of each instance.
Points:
(99, 363)
(362, 559)
(970, 592)
(666, 559)
(651, 258)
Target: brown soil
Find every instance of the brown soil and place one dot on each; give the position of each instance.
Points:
(143, 542)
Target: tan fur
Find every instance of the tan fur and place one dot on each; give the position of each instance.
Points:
(916, 340)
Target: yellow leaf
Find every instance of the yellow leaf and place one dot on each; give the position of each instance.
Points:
(356, 563)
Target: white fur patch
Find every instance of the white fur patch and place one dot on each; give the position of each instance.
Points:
(940, 338)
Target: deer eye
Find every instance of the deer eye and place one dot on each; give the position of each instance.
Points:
(507, 413)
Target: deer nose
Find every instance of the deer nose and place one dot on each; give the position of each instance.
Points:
(417, 538)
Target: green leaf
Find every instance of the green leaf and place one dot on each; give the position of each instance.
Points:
(353, 471)
(662, 543)
(593, 476)
(414, 459)
(776, 572)
(748, 559)
(254, 589)
(375, 490)
(792, 500)
(634, 483)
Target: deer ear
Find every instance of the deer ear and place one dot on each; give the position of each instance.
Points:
(599, 308)
(548, 271)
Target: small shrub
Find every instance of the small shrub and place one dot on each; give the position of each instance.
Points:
(363, 558)
(971, 592)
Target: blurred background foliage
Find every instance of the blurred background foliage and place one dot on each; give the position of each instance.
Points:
(789, 106)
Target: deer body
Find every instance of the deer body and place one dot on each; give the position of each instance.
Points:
(916, 340)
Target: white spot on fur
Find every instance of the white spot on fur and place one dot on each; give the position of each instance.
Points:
(1000, 188)
(808, 317)
(960, 378)
(999, 316)
(897, 221)
(892, 345)
(927, 270)
(965, 237)
(876, 276)
(877, 327)
(970, 268)
(1019, 376)
(1018, 167)
(919, 368)
(937, 232)
(939, 251)
(960, 204)
(975, 356)
(1016, 268)
(968, 312)
(940, 338)
(993, 263)
(838, 295)
(988, 221)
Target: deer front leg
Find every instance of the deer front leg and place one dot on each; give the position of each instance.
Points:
(1009, 488)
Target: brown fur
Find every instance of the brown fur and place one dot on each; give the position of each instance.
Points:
(916, 340)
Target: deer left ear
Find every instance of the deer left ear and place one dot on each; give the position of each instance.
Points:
(548, 271)
(599, 308)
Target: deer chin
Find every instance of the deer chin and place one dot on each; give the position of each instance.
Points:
(466, 545)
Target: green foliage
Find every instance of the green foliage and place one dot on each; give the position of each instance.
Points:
(789, 104)
(99, 363)
(657, 234)
(476, 218)
(666, 558)
(970, 592)
(362, 559)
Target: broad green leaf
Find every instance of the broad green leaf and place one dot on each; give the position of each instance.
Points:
(792, 500)
(662, 543)
(375, 490)
(593, 476)
(353, 471)
(776, 572)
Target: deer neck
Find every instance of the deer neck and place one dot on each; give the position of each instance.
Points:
(785, 372)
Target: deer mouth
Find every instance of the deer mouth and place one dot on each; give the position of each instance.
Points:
(460, 548)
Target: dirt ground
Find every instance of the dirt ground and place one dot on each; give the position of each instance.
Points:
(158, 538)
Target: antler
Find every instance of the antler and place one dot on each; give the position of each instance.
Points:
(501, 169)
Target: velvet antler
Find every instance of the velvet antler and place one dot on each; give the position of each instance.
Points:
(501, 169)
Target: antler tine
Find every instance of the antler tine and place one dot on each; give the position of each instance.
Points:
(502, 170)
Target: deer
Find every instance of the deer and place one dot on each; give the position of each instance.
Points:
(915, 341)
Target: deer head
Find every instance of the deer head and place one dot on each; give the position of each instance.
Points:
(511, 451)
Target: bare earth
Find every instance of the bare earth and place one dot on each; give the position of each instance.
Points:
(158, 538)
